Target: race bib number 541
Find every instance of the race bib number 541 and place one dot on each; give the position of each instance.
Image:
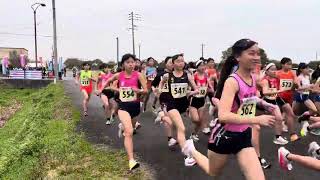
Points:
(179, 90)
(127, 94)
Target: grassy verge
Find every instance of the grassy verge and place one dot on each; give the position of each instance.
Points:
(39, 141)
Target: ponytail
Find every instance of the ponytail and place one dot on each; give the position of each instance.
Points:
(227, 68)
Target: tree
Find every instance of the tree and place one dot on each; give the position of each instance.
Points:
(228, 52)
(314, 64)
(73, 62)
(97, 62)
(14, 59)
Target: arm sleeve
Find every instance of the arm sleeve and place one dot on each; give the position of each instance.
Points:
(156, 81)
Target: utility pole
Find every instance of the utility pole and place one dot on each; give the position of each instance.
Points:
(133, 17)
(55, 52)
(118, 51)
(202, 46)
(139, 50)
(316, 55)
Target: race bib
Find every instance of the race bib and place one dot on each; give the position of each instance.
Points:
(85, 82)
(306, 92)
(179, 90)
(248, 107)
(202, 92)
(127, 94)
(151, 77)
(286, 84)
(274, 96)
(165, 87)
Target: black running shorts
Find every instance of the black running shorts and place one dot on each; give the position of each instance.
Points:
(227, 142)
(180, 104)
(197, 102)
(133, 108)
(108, 92)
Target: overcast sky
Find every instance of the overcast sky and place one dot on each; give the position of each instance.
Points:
(88, 28)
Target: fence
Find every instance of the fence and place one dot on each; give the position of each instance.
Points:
(25, 74)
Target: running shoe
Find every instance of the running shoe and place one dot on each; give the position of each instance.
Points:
(313, 148)
(194, 137)
(158, 119)
(315, 131)
(280, 141)
(133, 164)
(188, 148)
(304, 129)
(206, 130)
(137, 126)
(120, 130)
(294, 137)
(85, 113)
(213, 122)
(264, 163)
(189, 161)
(111, 119)
(154, 110)
(284, 127)
(284, 162)
(172, 142)
(108, 122)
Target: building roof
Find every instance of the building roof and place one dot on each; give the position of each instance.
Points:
(12, 48)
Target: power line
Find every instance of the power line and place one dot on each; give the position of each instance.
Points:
(18, 34)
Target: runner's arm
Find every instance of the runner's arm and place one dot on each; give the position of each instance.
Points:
(224, 111)
(155, 83)
(193, 86)
(211, 84)
(265, 88)
(111, 79)
(143, 83)
(78, 77)
(163, 80)
(191, 82)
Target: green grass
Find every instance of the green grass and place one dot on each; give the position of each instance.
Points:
(39, 141)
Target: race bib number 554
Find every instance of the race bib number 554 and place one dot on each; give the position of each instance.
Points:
(127, 94)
